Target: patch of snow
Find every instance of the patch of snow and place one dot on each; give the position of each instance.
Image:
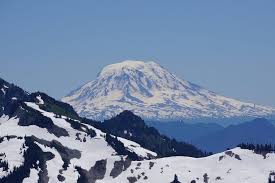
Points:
(33, 178)
(53, 165)
(13, 149)
(135, 147)
(4, 92)
(40, 101)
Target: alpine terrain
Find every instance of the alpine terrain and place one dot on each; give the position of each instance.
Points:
(153, 93)
(44, 140)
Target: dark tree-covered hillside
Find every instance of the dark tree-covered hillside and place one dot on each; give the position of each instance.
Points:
(132, 127)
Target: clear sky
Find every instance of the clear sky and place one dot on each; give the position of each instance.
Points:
(55, 46)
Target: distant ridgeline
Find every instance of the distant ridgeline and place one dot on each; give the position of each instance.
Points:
(213, 137)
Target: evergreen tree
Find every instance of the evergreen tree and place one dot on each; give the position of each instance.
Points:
(175, 179)
(205, 178)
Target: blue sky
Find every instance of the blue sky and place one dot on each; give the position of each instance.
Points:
(225, 46)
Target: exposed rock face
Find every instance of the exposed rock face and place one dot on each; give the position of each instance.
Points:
(95, 173)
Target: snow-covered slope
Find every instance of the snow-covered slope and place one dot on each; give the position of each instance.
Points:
(236, 165)
(88, 149)
(93, 160)
(59, 156)
(39, 144)
(152, 92)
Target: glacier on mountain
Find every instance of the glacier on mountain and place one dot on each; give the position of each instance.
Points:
(152, 92)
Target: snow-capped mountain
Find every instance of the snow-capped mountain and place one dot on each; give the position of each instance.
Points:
(152, 92)
(44, 140)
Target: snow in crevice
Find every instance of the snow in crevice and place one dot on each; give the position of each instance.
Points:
(3, 90)
(40, 101)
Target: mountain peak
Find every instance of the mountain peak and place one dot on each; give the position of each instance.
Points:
(152, 92)
(127, 65)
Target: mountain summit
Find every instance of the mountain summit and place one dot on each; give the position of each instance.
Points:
(152, 92)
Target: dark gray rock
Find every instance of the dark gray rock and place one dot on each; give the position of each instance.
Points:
(132, 179)
(117, 169)
(97, 172)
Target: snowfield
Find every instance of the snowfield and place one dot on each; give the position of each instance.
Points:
(94, 154)
(252, 168)
(150, 91)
